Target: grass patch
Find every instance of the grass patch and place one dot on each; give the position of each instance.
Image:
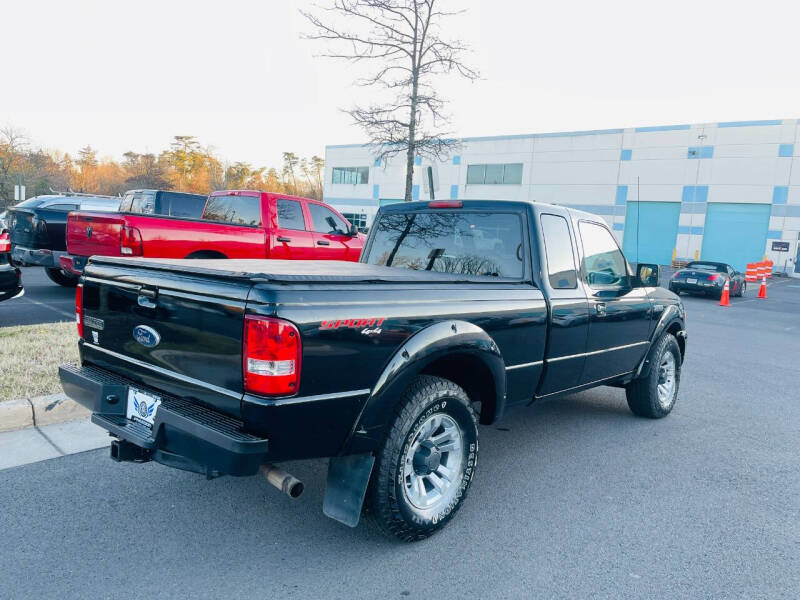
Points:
(30, 356)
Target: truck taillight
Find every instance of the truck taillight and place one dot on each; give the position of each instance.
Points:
(271, 356)
(79, 309)
(130, 242)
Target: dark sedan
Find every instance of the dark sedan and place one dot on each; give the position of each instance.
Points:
(705, 277)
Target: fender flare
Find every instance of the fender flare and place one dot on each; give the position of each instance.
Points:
(672, 314)
(420, 350)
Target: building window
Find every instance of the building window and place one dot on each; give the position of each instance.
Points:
(351, 175)
(359, 220)
(497, 174)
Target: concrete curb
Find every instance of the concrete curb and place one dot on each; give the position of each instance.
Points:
(42, 410)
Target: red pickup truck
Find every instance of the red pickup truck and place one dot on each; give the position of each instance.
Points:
(234, 224)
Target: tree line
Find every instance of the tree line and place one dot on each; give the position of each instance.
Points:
(185, 166)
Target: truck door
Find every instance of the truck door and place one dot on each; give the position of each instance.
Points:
(331, 240)
(619, 315)
(290, 238)
(569, 326)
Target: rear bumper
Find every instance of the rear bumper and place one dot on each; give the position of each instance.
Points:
(73, 264)
(695, 288)
(30, 257)
(185, 435)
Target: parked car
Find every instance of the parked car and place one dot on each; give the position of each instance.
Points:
(457, 312)
(708, 278)
(233, 224)
(10, 276)
(38, 230)
(94, 234)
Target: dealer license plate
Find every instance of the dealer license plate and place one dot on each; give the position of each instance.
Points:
(142, 407)
(692, 281)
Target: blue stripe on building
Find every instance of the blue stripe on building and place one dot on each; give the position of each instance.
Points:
(453, 192)
(622, 195)
(780, 194)
(749, 123)
(626, 154)
(786, 150)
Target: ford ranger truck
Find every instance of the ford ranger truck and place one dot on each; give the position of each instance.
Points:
(231, 224)
(457, 313)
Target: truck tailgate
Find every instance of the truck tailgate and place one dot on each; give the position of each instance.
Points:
(181, 333)
(89, 234)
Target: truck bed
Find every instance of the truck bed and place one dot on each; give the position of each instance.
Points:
(294, 271)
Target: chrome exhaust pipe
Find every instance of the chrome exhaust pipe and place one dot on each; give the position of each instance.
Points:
(285, 482)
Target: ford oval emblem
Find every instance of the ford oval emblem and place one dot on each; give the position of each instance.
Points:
(146, 336)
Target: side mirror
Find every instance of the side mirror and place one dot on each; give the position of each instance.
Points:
(646, 275)
(353, 231)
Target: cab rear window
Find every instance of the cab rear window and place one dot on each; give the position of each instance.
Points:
(464, 243)
(239, 210)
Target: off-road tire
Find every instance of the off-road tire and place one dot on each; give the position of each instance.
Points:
(642, 393)
(386, 504)
(61, 278)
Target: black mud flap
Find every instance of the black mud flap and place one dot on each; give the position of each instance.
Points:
(348, 477)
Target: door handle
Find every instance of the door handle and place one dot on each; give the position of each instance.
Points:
(282, 238)
(600, 307)
(323, 243)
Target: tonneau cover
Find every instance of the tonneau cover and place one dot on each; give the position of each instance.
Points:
(293, 271)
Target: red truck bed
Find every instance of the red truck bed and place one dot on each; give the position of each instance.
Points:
(235, 224)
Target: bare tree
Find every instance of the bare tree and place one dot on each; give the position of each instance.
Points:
(12, 143)
(405, 37)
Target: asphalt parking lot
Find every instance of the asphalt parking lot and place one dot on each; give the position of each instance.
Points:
(43, 301)
(574, 498)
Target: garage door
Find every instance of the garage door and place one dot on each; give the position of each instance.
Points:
(657, 231)
(735, 233)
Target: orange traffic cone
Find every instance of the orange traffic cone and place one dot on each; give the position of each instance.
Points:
(762, 291)
(725, 297)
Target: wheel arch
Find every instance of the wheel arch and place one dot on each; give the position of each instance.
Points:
(456, 350)
(198, 254)
(671, 322)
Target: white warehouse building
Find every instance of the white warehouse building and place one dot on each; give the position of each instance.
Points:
(727, 192)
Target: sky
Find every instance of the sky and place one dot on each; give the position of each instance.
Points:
(237, 75)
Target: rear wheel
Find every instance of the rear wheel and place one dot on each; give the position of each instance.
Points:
(61, 277)
(654, 394)
(427, 461)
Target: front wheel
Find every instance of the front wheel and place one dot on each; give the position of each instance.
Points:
(61, 277)
(426, 464)
(654, 394)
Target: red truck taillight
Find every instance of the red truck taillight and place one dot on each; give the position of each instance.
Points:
(79, 309)
(271, 356)
(130, 242)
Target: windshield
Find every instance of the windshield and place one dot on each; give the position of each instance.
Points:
(464, 243)
(706, 267)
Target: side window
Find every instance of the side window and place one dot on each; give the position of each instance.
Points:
(326, 221)
(62, 207)
(182, 205)
(603, 262)
(290, 215)
(125, 206)
(239, 210)
(560, 258)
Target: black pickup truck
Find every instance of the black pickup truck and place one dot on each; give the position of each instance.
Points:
(456, 313)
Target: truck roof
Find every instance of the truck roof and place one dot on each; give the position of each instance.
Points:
(488, 205)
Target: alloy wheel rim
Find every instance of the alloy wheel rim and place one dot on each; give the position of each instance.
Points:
(666, 379)
(432, 464)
